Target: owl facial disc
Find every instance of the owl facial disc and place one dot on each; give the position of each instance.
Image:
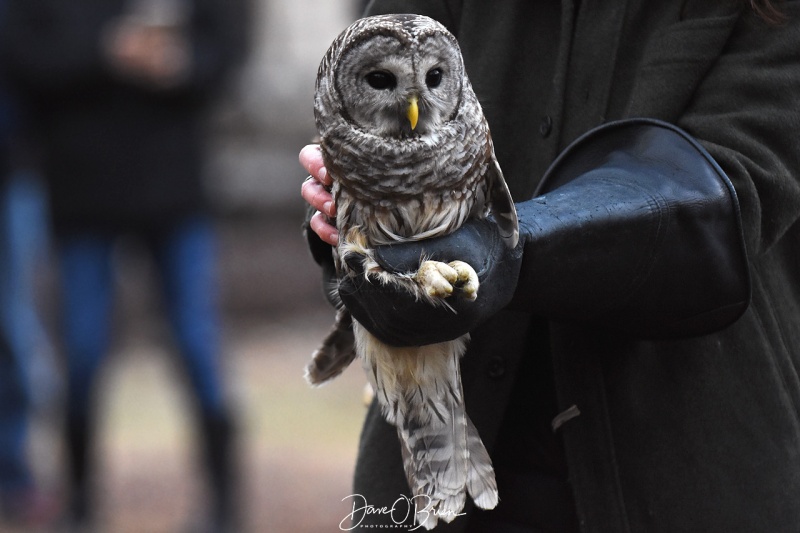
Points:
(395, 77)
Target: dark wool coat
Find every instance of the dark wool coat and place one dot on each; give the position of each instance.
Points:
(700, 434)
(116, 154)
(6, 117)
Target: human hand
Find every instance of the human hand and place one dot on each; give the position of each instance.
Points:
(316, 191)
(157, 56)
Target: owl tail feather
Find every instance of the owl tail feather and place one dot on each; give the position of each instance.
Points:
(481, 484)
(336, 352)
(420, 391)
(436, 461)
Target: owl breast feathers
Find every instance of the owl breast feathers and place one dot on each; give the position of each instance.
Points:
(409, 151)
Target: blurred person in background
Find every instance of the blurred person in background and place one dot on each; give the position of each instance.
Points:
(27, 380)
(29, 383)
(122, 89)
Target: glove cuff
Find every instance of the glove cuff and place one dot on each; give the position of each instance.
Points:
(637, 229)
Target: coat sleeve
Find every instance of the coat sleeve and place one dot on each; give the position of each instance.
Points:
(746, 113)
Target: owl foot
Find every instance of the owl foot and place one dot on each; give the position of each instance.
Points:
(439, 279)
(467, 279)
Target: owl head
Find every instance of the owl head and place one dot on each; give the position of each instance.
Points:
(393, 76)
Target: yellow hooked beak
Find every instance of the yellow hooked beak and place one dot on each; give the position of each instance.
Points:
(413, 111)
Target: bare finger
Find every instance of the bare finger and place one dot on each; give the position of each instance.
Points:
(311, 159)
(319, 225)
(318, 197)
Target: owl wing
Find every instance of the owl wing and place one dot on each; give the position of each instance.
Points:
(502, 205)
(336, 352)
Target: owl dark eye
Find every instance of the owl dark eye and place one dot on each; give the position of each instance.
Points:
(381, 80)
(433, 78)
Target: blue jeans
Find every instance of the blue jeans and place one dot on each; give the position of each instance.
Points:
(23, 239)
(185, 257)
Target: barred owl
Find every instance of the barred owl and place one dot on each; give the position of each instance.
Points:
(406, 143)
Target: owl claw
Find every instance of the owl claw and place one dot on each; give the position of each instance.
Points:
(438, 279)
(467, 279)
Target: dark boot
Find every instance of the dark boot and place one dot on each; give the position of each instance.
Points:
(78, 443)
(219, 448)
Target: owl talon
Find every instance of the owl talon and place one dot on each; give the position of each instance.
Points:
(439, 279)
(436, 279)
(467, 279)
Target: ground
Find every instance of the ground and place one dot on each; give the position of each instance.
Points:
(297, 444)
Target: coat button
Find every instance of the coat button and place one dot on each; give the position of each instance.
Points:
(497, 367)
(546, 126)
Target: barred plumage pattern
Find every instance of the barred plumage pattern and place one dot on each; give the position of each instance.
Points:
(405, 187)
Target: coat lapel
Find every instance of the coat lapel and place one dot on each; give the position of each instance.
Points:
(592, 56)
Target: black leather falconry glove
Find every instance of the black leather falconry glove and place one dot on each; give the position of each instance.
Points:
(636, 229)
